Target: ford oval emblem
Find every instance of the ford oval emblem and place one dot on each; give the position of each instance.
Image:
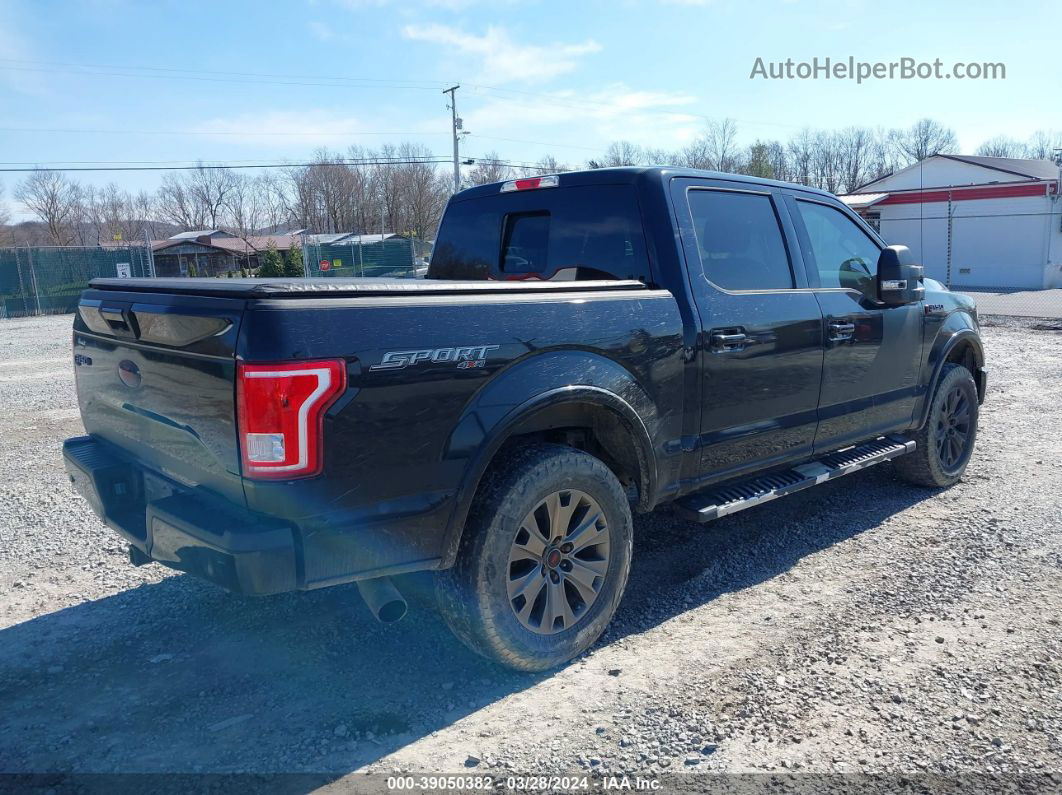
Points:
(129, 373)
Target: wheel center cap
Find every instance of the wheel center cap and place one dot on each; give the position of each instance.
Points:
(553, 558)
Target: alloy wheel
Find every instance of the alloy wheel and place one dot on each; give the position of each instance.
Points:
(558, 562)
(953, 429)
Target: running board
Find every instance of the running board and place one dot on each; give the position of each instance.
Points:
(737, 496)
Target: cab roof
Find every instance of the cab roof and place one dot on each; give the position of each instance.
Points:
(635, 174)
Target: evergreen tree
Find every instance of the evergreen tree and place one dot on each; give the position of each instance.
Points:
(293, 262)
(272, 263)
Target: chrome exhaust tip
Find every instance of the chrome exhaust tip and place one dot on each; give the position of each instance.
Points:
(383, 599)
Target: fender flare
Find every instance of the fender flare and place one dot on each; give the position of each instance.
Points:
(585, 395)
(938, 356)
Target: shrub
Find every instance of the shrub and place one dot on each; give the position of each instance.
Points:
(272, 263)
(293, 262)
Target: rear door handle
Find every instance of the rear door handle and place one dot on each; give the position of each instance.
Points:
(728, 340)
(841, 330)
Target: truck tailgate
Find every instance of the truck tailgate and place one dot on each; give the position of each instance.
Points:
(156, 377)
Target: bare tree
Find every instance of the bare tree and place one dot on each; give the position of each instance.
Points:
(1001, 146)
(715, 149)
(695, 155)
(210, 188)
(1044, 145)
(488, 169)
(55, 199)
(854, 148)
(550, 165)
(801, 151)
(177, 205)
(144, 212)
(722, 145)
(925, 138)
(276, 203)
(622, 153)
(422, 193)
(196, 199)
(243, 206)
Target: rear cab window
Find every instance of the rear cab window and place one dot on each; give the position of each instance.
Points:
(575, 233)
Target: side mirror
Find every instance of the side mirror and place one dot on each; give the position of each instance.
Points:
(899, 277)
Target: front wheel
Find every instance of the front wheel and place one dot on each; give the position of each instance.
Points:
(543, 560)
(946, 442)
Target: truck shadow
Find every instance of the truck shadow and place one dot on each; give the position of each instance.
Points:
(179, 676)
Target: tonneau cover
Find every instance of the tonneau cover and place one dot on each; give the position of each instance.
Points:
(303, 288)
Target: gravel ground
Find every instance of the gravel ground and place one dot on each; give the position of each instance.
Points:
(861, 626)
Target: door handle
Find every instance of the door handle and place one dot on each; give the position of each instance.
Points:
(841, 330)
(728, 340)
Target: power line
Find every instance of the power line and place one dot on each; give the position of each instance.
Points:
(81, 131)
(153, 72)
(432, 160)
(161, 72)
(425, 83)
(232, 165)
(269, 82)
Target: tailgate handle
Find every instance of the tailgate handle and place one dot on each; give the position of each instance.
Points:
(121, 321)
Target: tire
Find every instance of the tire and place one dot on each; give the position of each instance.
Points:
(938, 462)
(499, 560)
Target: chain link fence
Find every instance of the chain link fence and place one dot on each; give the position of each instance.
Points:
(360, 256)
(48, 280)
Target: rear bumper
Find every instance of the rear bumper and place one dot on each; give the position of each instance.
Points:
(186, 529)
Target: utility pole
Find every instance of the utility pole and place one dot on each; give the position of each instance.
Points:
(456, 122)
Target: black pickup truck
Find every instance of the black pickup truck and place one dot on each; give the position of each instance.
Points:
(585, 345)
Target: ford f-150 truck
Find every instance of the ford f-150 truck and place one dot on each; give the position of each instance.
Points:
(585, 345)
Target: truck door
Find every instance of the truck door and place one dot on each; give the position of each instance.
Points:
(761, 341)
(873, 352)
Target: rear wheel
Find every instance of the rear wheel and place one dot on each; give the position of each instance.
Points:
(946, 442)
(543, 560)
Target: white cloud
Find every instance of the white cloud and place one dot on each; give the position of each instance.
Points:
(502, 59)
(649, 118)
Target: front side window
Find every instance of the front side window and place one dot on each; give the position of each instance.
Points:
(739, 240)
(843, 254)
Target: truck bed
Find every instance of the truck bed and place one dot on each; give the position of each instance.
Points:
(306, 288)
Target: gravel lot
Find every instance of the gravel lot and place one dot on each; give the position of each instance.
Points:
(861, 626)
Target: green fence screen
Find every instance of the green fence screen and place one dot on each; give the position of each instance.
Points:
(48, 280)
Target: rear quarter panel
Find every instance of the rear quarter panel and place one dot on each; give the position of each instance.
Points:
(400, 445)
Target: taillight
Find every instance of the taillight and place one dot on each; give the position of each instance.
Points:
(530, 183)
(280, 410)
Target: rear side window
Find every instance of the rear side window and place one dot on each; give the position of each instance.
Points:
(568, 233)
(739, 240)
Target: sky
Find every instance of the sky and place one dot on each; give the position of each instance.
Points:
(124, 81)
